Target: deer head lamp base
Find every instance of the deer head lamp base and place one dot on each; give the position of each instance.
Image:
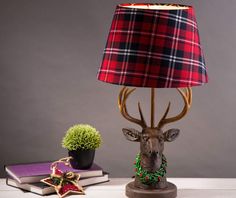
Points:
(150, 180)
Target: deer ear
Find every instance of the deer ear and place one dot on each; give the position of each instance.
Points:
(132, 134)
(171, 135)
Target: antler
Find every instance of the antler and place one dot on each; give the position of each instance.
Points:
(124, 94)
(186, 94)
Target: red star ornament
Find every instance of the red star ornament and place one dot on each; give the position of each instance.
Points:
(64, 183)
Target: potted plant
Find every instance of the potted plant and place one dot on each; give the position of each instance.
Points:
(81, 140)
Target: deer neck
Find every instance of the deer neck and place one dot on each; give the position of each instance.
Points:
(150, 163)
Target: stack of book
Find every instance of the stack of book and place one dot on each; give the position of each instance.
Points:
(28, 176)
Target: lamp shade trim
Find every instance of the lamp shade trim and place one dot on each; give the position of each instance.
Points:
(155, 6)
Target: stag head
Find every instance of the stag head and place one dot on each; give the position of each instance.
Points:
(152, 138)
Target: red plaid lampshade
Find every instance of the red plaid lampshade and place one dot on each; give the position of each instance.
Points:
(153, 45)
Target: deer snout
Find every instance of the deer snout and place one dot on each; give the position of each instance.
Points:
(153, 152)
(154, 149)
(155, 155)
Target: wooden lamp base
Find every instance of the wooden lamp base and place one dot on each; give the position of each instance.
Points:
(134, 192)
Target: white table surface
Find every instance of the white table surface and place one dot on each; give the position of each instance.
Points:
(187, 188)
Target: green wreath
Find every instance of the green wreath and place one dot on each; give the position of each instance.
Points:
(149, 178)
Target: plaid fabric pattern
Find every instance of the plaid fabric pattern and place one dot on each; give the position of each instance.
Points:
(153, 48)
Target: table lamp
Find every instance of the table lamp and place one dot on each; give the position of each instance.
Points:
(153, 46)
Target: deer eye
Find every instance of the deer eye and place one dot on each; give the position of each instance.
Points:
(145, 138)
(161, 138)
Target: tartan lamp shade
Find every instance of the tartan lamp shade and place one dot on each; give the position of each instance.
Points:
(153, 45)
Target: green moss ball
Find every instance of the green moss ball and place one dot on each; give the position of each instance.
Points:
(81, 136)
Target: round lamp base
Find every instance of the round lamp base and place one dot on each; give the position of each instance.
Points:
(134, 192)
